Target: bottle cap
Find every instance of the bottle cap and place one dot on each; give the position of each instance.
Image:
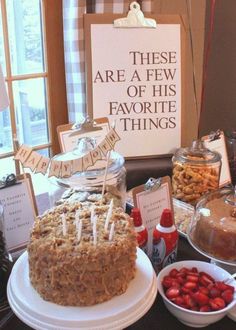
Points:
(166, 218)
(136, 215)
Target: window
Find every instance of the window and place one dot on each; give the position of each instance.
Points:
(26, 32)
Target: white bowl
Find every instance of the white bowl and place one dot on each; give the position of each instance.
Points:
(189, 317)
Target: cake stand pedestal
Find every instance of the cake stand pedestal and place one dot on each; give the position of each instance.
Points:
(117, 313)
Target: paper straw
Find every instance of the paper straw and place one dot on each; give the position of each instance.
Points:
(105, 175)
(112, 230)
(109, 213)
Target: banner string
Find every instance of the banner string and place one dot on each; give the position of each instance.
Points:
(206, 59)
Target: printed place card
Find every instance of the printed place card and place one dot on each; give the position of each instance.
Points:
(216, 142)
(152, 198)
(68, 138)
(19, 213)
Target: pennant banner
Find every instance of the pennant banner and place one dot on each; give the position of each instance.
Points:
(62, 169)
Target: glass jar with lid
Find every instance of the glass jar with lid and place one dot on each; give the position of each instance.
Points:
(212, 230)
(196, 171)
(86, 186)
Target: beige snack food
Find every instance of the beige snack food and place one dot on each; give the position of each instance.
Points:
(73, 272)
(190, 182)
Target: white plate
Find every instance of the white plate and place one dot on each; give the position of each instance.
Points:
(117, 313)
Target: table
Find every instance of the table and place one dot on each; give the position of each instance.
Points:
(158, 317)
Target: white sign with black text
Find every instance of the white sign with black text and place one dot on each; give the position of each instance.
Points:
(136, 83)
(19, 215)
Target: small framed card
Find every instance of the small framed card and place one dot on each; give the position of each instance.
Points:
(216, 142)
(68, 137)
(20, 210)
(152, 198)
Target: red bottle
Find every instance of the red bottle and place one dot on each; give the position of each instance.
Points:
(165, 241)
(142, 234)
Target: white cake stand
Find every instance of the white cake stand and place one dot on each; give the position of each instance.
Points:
(117, 313)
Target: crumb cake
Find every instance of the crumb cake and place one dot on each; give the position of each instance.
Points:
(215, 231)
(73, 271)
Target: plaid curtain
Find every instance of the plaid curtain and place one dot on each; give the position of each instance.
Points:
(73, 11)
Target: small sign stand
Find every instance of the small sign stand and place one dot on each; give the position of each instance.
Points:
(152, 198)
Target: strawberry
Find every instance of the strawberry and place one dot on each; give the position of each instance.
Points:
(172, 292)
(227, 295)
(190, 285)
(205, 308)
(184, 290)
(200, 298)
(183, 270)
(205, 280)
(217, 303)
(223, 286)
(178, 301)
(204, 290)
(194, 270)
(189, 301)
(211, 279)
(173, 272)
(167, 282)
(214, 292)
(192, 278)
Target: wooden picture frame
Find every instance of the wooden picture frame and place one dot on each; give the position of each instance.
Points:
(148, 145)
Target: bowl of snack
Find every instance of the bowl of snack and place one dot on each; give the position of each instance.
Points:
(197, 293)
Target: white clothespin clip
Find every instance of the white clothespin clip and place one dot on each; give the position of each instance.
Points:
(135, 18)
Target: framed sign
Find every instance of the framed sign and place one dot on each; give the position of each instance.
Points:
(134, 77)
(68, 138)
(152, 198)
(20, 209)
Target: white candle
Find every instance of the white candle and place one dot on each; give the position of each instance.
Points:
(79, 229)
(92, 213)
(109, 213)
(63, 219)
(112, 230)
(95, 231)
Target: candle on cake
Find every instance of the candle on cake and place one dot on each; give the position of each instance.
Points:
(95, 231)
(109, 213)
(79, 225)
(92, 213)
(112, 231)
(64, 229)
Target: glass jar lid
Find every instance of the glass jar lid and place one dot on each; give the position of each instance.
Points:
(84, 146)
(197, 154)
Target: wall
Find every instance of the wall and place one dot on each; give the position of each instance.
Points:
(219, 103)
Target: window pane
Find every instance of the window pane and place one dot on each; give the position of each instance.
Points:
(25, 36)
(31, 111)
(5, 132)
(2, 57)
(7, 166)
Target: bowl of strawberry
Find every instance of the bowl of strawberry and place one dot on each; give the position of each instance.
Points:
(197, 293)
